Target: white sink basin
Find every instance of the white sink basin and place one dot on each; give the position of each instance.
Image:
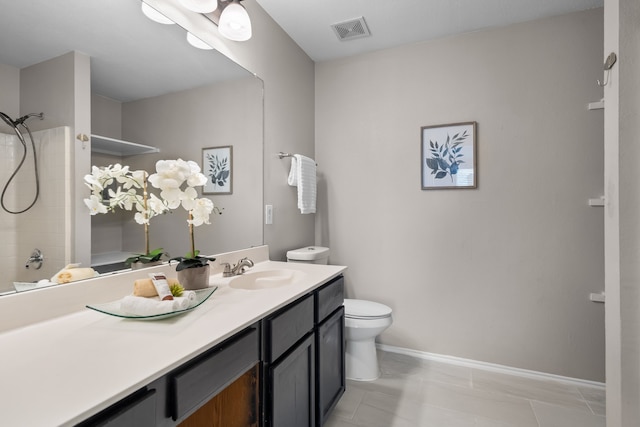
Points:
(266, 279)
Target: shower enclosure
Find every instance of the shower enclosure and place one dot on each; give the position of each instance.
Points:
(47, 224)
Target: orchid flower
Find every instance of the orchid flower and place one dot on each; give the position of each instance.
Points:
(176, 180)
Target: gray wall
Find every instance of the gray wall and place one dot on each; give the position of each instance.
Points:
(288, 75)
(10, 89)
(622, 210)
(502, 273)
(181, 124)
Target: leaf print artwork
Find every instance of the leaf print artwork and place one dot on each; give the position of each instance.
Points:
(219, 169)
(446, 158)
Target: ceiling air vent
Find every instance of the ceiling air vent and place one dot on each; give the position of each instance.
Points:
(353, 29)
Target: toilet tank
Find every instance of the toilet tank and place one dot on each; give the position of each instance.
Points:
(309, 255)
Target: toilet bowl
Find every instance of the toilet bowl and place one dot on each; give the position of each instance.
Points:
(364, 321)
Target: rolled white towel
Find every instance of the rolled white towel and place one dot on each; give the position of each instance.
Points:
(183, 302)
(141, 306)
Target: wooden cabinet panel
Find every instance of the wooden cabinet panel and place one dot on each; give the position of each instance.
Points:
(236, 406)
(330, 363)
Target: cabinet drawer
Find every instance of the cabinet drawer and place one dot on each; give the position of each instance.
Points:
(212, 372)
(138, 409)
(329, 297)
(287, 327)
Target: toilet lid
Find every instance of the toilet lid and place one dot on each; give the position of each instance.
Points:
(362, 309)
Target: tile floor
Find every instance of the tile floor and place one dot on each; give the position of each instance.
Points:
(417, 393)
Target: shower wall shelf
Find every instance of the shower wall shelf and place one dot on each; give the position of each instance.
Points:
(598, 105)
(118, 147)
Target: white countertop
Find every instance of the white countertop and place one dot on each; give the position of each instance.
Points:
(60, 371)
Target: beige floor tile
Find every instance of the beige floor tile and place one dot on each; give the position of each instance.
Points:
(418, 393)
(593, 394)
(402, 365)
(336, 421)
(392, 385)
(347, 405)
(598, 408)
(483, 404)
(529, 388)
(399, 411)
(485, 422)
(550, 415)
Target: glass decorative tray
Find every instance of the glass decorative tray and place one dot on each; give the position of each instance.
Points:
(113, 308)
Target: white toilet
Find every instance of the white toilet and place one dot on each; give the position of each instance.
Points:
(364, 321)
(309, 255)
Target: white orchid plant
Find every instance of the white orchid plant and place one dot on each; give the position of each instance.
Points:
(177, 180)
(116, 187)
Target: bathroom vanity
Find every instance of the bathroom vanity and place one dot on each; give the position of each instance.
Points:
(245, 357)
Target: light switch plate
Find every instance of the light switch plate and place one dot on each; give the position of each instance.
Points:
(268, 214)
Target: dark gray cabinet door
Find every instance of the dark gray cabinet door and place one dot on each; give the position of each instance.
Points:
(292, 387)
(330, 364)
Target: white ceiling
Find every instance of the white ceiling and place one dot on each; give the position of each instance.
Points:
(132, 57)
(397, 22)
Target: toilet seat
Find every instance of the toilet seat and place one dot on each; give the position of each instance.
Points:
(362, 309)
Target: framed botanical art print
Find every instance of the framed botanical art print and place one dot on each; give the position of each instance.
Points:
(448, 156)
(217, 166)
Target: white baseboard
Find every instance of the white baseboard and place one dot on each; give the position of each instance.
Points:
(475, 364)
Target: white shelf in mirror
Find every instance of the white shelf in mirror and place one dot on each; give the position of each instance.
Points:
(118, 147)
(598, 105)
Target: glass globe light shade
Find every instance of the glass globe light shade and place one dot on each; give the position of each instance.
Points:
(235, 23)
(197, 42)
(154, 15)
(200, 6)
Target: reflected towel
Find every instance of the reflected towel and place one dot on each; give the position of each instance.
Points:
(72, 272)
(303, 176)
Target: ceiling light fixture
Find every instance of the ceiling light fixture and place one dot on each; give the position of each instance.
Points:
(230, 16)
(154, 15)
(200, 6)
(235, 23)
(197, 42)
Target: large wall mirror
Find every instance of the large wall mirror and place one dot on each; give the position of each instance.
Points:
(148, 86)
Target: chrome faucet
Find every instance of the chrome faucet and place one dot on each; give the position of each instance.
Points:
(36, 258)
(237, 269)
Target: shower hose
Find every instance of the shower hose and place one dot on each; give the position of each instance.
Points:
(15, 124)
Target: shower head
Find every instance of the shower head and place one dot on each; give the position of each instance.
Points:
(23, 119)
(5, 118)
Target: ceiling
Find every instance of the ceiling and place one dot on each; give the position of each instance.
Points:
(397, 22)
(128, 51)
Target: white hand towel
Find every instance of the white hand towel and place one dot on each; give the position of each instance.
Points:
(141, 306)
(184, 302)
(303, 176)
